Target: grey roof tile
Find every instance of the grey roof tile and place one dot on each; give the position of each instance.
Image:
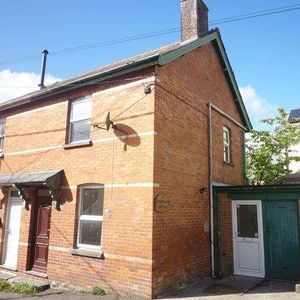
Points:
(294, 116)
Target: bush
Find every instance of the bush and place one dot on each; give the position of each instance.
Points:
(97, 291)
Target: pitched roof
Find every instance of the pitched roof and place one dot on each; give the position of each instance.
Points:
(293, 178)
(97, 73)
(294, 116)
(160, 56)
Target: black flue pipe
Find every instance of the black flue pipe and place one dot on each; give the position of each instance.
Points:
(44, 61)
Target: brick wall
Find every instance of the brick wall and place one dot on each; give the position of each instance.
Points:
(226, 254)
(181, 235)
(34, 141)
(146, 252)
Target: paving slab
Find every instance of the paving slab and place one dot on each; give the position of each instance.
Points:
(192, 290)
(241, 283)
(4, 275)
(40, 284)
(222, 290)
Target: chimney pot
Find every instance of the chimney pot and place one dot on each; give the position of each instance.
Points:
(194, 19)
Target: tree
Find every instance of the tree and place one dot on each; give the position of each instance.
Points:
(269, 152)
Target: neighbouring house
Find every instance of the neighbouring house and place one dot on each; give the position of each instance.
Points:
(294, 119)
(111, 178)
(258, 227)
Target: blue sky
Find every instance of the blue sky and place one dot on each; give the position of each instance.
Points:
(263, 51)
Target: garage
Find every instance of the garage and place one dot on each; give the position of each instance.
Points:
(264, 232)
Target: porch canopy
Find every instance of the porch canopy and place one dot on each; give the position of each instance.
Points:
(50, 179)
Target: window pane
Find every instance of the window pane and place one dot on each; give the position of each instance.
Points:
(247, 221)
(226, 136)
(1, 143)
(226, 154)
(90, 232)
(80, 131)
(1, 128)
(81, 110)
(92, 202)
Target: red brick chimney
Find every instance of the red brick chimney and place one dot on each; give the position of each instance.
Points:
(194, 19)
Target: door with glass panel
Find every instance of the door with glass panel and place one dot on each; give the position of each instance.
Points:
(248, 245)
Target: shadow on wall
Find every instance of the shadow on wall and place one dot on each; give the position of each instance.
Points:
(127, 135)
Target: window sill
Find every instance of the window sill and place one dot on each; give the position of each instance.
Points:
(78, 145)
(229, 164)
(88, 253)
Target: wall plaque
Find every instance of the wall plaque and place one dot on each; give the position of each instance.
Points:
(161, 204)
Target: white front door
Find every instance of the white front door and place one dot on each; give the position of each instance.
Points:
(248, 245)
(12, 231)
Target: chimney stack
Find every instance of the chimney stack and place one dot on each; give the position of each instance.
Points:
(194, 19)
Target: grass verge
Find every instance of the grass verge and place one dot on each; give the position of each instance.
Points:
(19, 288)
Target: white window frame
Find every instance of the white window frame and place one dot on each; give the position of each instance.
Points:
(80, 100)
(2, 136)
(88, 218)
(227, 145)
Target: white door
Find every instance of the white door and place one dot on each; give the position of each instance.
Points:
(12, 231)
(248, 245)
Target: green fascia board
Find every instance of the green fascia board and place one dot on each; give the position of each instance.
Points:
(123, 70)
(246, 196)
(274, 192)
(214, 36)
(169, 56)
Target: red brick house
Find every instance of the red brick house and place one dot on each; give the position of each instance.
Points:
(129, 209)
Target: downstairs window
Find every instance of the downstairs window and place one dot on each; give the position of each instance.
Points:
(90, 217)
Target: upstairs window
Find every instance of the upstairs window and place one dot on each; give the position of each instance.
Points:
(80, 120)
(90, 217)
(2, 125)
(227, 147)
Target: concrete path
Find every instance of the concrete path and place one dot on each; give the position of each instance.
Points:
(52, 294)
(206, 290)
(227, 290)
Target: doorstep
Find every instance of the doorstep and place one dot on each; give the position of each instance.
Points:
(4, 275)
(242, 283)
(37, 274)
(8, 268)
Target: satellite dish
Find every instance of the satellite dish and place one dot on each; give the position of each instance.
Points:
(109, 123)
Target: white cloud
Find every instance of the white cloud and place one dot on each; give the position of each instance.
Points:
(257, 107)
(15, 84)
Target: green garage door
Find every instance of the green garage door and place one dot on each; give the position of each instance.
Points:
(281, 239)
